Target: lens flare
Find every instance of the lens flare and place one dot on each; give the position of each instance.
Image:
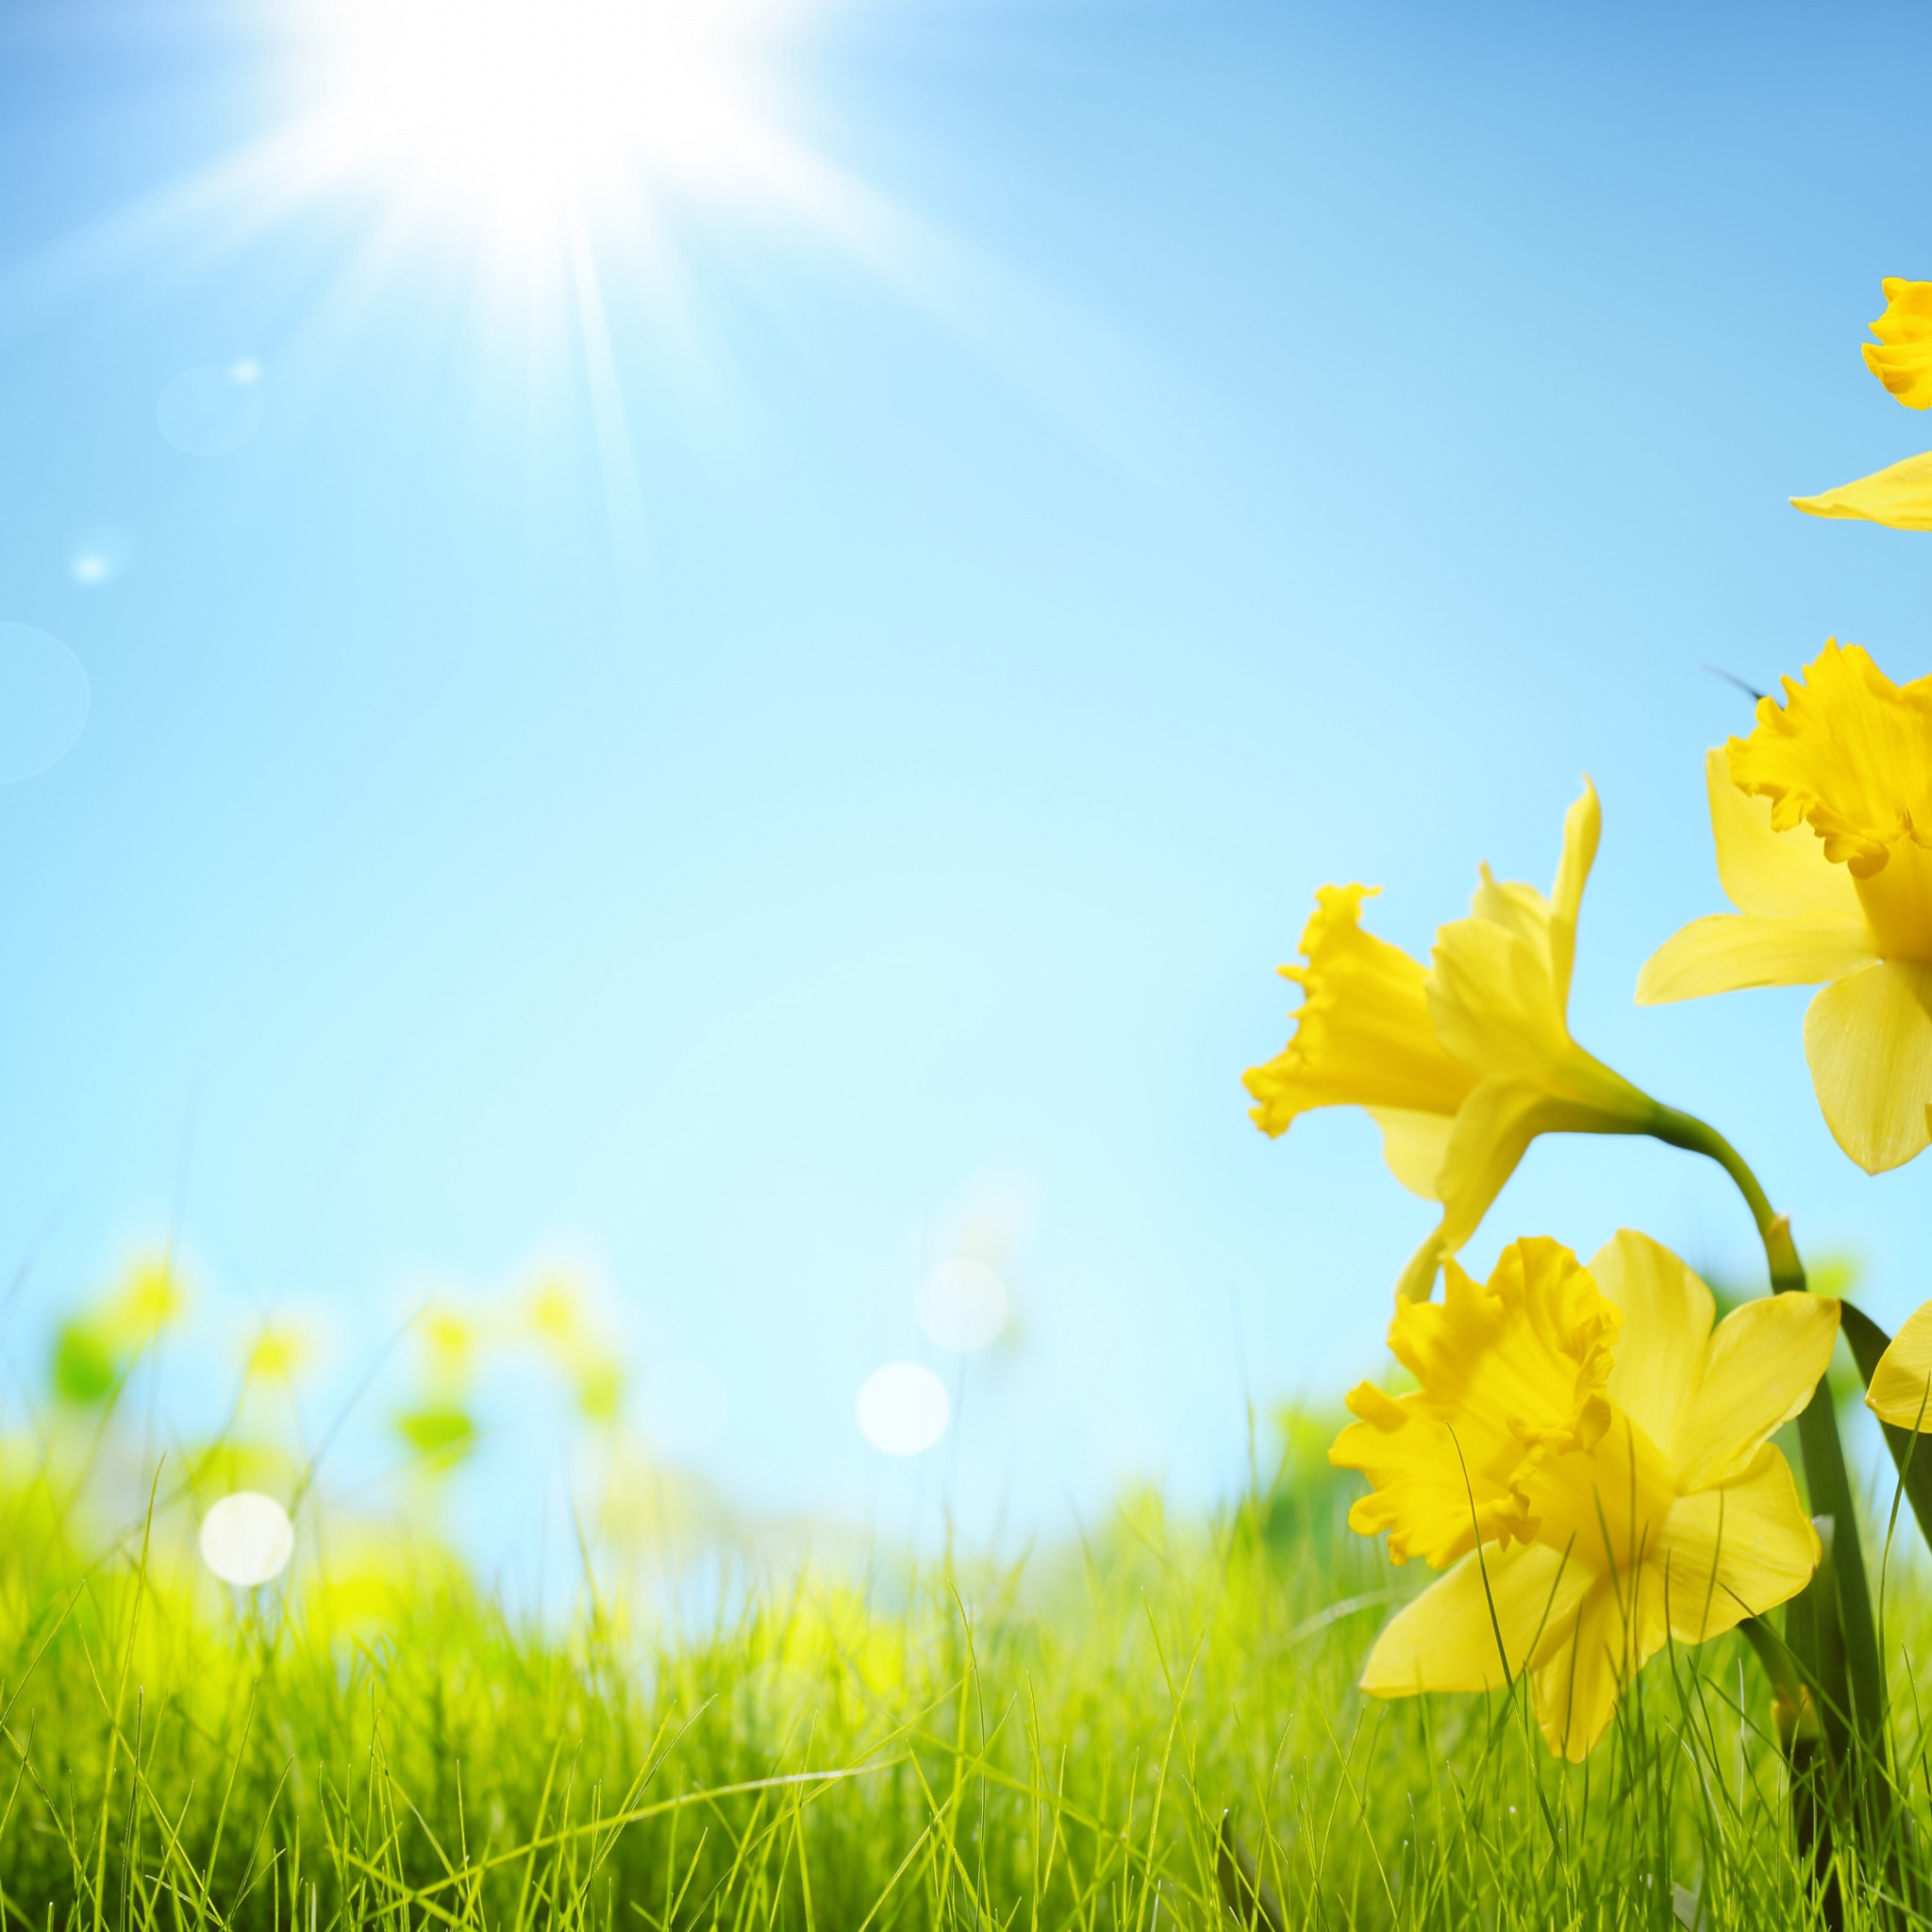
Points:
(246, 1539)
(963, 1306)
(903, 1408)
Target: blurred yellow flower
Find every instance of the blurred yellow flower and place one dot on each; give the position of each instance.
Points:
(149, 1299)
(1590, 1459)
(277, 1354)
(1900, 1392)
(1900, 359)
(1461, 1064)
(600, 1387)
(1817, 820)
(556, 1313)
(451, 1342)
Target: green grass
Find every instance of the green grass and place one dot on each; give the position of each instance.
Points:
(1049, 1744)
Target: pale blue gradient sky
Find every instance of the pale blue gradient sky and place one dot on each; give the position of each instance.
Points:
(1259, 445)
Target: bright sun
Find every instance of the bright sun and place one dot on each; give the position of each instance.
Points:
(529, 106)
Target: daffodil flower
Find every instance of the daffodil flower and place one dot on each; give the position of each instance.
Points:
(1461, 1064)
(1900, 359)
(1590, 1462)
(1821, 819)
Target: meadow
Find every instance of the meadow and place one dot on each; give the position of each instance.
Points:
(1154, 1726)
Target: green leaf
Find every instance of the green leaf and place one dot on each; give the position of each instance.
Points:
(85, 1370)
(441, 1431)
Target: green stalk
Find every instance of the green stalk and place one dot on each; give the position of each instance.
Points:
(1825, 1474)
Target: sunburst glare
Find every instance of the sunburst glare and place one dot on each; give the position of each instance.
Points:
(522, 113)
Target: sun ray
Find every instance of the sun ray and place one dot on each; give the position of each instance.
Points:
(624, 496)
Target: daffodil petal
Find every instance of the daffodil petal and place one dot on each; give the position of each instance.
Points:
(1737, 1550)
(1493, 1002)
(1417, 1281)
(1582, 829)
(1575, 1687)
(1899, 497)
(1667, 1314)
(1495, 1007)
(1776, 874)
(1515, 908)
(1868, 1039)
(1413, 1145)
(1901, 1391)
(1729, 950)
(1764, 1361)
(1487, 1142)
(1499, 980)
(1446, 1639)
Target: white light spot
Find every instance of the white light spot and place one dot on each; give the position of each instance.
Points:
(963, 1306)
(98, 557)
(248, 1539)
(212, 410)
(684, 1405)
(903, 1408)
(43, 701)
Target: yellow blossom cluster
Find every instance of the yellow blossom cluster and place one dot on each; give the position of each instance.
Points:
(1583, 1450)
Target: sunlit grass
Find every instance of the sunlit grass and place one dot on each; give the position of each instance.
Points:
(1051, 1744)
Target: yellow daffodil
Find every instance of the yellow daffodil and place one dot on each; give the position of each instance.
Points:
(1461, 1064)
(1900, 359)
(1817, 818)
(1589, 1460)
(1901, 1386)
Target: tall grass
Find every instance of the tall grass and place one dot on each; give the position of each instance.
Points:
(1151, 1728)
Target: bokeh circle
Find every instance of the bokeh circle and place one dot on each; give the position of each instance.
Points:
(212, 410)
(45, 699)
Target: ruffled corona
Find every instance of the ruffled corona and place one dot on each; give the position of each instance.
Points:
(1900, 359)
(1589, 1460)
(1362, 1038)
(1849, 753)
(1821, 819)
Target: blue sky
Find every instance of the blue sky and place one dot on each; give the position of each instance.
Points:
(826, 753)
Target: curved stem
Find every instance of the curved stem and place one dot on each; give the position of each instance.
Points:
(1694, 1135)
(1862, 1696)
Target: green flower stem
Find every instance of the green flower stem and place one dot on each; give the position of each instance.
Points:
(1825, 1457)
